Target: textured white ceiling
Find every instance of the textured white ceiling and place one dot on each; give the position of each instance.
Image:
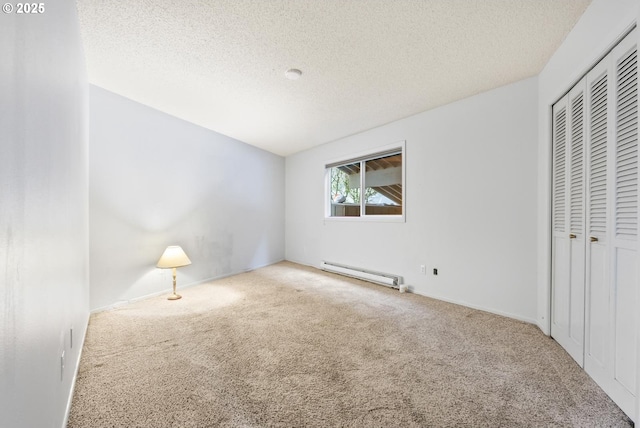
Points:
(221, 63)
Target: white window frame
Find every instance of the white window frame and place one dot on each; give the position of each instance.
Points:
(361, 157)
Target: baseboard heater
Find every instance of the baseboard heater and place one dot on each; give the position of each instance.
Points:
(387, 279)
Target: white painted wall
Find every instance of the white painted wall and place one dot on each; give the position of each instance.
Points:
(600, 27)
(156, 180)
(44, 288)
(470, 205)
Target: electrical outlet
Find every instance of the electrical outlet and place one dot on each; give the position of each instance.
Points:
(435, 271)
(423, 269)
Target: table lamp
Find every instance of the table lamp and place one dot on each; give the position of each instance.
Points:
(173, 257)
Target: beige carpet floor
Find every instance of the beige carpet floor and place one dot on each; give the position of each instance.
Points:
(291, 346)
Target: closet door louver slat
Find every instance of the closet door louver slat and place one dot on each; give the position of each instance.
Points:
(577, 144)
(598, 154)
(626, 205)
(559, 169)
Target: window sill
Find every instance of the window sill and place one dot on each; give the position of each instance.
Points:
(369, 218)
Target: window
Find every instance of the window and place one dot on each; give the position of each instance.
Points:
(382, 181)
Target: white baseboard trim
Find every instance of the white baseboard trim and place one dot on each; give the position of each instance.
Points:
(412, 289)
(477, 307)
(317, 266)
(181, 287)
(544, 328)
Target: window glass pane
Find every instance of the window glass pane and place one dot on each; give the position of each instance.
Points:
(345, 190)
(383, 185)
(377, 193)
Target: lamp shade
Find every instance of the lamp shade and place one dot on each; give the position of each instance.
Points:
(173, 257)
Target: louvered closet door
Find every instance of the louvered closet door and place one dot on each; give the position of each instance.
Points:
(624, 293)
(599, 133)
(567, 324)
(560, 244)
(595, 160)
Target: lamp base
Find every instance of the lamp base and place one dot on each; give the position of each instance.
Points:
(174, 297)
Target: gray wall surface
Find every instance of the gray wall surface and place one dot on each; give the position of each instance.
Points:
(470, 203)
(156, 180)
(44, 290)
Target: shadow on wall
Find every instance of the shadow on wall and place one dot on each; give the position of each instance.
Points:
(128, 253)
(175, 184)
(124, 256)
